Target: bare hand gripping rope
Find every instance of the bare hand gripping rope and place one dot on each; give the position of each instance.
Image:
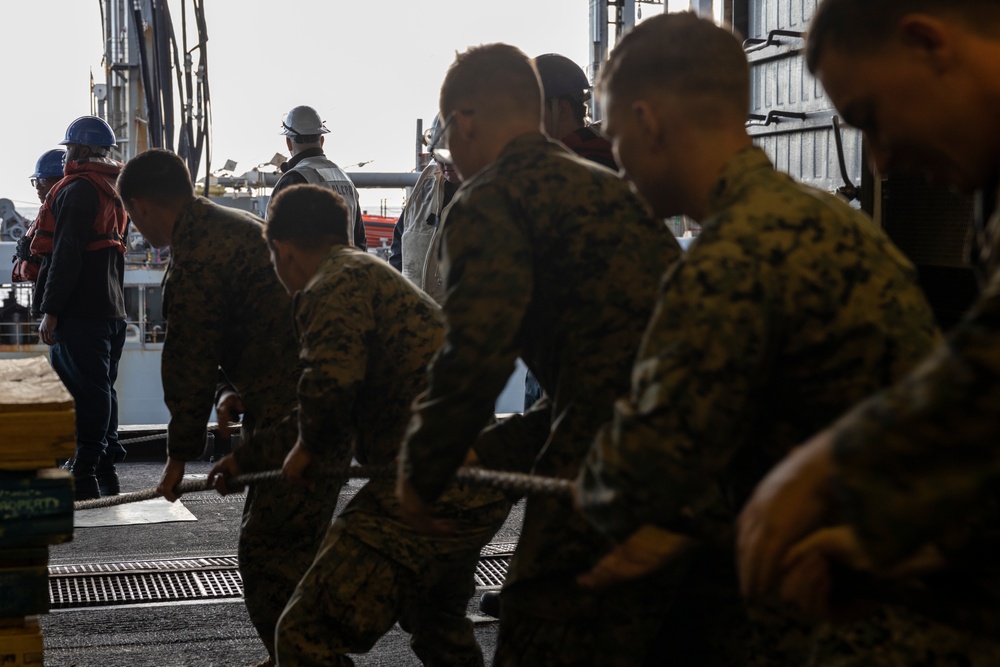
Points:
(513, 482)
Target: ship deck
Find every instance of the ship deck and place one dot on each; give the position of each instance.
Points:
(138, 594)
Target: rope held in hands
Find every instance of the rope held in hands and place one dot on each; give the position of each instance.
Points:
(514, 482)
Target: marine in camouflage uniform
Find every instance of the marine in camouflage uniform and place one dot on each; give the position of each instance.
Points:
(788, 308)
(226, 311)
(918, 464)
(549, 257)
(366, 336)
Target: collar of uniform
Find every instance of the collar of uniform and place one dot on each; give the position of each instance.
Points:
(735, 176)
(299, 157)
(334, 256)
(524, 142)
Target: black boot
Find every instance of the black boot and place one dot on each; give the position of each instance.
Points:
(108, 482)
(107, 474)
(85, 480)
(86, 487)
(489, 604)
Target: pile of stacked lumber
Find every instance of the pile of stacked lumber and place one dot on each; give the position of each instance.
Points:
(36, 498)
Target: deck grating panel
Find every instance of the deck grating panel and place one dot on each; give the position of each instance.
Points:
(189, 580)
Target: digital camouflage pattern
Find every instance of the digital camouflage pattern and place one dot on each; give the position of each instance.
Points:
(226, 312)
(919, 462)
(788, 308)
(359, 594)
(366, 336)
(550, 258)
(894, 635)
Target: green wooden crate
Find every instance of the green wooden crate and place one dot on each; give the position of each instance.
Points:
(23, 557)
(24, 591)
(36, 507)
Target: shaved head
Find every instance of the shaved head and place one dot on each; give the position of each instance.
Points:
(863, 26)
(498, 80)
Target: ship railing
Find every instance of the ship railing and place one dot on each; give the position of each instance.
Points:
(22, 334)
(19, 334)
(145, 333)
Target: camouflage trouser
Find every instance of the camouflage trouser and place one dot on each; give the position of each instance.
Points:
(889, 636)
(610, 628)
(283, 525)
(706, 624)
(354, 593)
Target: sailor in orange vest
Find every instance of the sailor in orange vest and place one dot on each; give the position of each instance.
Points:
(79, 295)
(48, 172)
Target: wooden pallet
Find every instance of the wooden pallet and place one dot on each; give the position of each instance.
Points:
(37, 421)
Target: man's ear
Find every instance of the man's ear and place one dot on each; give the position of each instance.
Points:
(282, 249)
(137, 208)
(930, 38)
(288, 144)
(566, 110)
(465, 123)
(649, 122)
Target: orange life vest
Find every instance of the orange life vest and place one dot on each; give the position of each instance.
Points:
(110, 221)
(26, 265)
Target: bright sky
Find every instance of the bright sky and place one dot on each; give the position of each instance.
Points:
(370, 67)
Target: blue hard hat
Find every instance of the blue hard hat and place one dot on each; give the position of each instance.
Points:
(560, 76)
(89, 131)
(50, 165)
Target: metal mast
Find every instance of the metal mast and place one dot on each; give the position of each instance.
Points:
(139, 98)
(609, 20)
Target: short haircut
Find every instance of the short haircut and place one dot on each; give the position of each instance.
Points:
(305, 138)
(865, 25)
(681, 54)
(307, 215)
(156, 174)
(494, 78)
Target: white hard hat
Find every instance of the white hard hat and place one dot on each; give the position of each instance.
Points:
(302, 121)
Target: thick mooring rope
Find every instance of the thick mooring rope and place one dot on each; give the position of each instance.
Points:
(234, 427)
(512, 482)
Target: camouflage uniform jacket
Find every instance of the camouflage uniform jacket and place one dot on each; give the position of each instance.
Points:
(365, 339)
(920, 462)
(225, 309)
(366, 336)
(549, 257)
(788, 308)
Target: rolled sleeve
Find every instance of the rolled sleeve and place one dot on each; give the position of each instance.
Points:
(660, 458)
(922, 455)
(333, 367)
(191, 354)
(487, 264)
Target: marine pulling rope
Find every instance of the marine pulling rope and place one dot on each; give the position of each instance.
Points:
(514, 482)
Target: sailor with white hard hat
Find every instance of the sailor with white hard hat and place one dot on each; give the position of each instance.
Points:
(304, 129)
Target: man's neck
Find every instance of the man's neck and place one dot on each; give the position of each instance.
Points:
(706, 168)
(298, 156)
(300, 150)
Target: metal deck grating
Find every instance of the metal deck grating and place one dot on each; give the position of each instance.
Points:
(99, 590)
(184, 564)
(498, 549)
(491, 571)
(191, 580)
